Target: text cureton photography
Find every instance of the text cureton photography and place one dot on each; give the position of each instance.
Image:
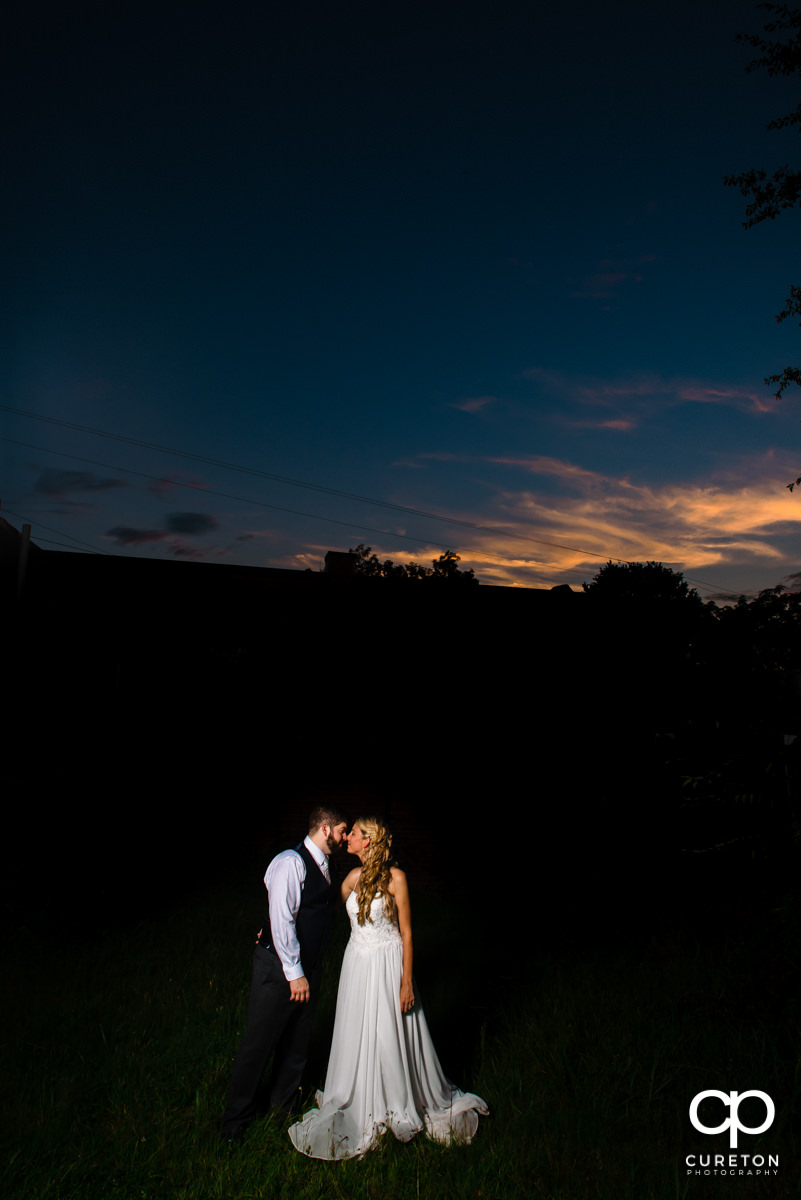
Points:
(732, 1164)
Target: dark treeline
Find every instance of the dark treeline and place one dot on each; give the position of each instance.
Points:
(600, 759)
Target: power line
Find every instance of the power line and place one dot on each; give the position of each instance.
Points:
(50, 542)
(60, 532)
(208, 460)
(715, 587)
(206, 491)
(417, 512)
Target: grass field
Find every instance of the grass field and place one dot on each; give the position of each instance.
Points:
(118, 1046)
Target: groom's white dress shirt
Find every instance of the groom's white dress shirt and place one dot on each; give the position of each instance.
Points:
(284, 881)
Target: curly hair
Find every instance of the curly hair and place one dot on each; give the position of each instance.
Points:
(376, 875)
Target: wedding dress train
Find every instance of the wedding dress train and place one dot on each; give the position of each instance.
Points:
(383, 1072)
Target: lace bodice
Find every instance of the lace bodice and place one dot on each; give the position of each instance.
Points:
(373, 935)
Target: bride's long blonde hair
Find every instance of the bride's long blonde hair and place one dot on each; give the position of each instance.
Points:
(376, 868)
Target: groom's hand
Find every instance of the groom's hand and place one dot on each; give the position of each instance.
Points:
(299, 989)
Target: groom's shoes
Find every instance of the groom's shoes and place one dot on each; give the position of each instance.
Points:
(234, 1137)
(281, 1116)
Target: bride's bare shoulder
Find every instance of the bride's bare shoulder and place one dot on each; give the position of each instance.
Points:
(398, 879)
(350, 881)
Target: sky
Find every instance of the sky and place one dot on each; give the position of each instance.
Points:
(283, 279)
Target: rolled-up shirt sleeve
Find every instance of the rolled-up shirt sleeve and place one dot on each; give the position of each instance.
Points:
(284, 883)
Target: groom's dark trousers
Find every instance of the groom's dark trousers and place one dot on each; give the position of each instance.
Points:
(277, 1026)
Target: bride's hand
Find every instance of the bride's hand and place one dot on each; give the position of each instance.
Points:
(406, 998)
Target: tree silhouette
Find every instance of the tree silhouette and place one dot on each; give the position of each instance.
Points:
(644, 584)
(446, 567)
(765, 632)
(769, 195)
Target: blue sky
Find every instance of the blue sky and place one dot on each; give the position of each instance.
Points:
(466, 259)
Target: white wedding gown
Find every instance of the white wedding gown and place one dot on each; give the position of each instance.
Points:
(383, 1072)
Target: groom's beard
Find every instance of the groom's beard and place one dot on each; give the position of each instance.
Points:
(332, 845)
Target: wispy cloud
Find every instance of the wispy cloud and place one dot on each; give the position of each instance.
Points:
(162, 488)
(742, 398)
(619, 424)
(544, 534)
(126, 535)
(191, 523)
(59, 484)
(180, 549)
(184, 524)
(600, 287)
(610, 277)
(473, 404)
(646, 392)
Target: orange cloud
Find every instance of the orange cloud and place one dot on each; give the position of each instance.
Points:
(540, 539)
(621, 424)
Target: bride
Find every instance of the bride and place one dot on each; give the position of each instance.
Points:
(383, 1072)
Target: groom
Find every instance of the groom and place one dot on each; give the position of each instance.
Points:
(287, 965)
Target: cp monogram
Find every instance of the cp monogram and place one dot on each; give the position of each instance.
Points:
(732, 1100)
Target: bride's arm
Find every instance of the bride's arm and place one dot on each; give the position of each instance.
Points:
(400, 891)
(349, 883)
